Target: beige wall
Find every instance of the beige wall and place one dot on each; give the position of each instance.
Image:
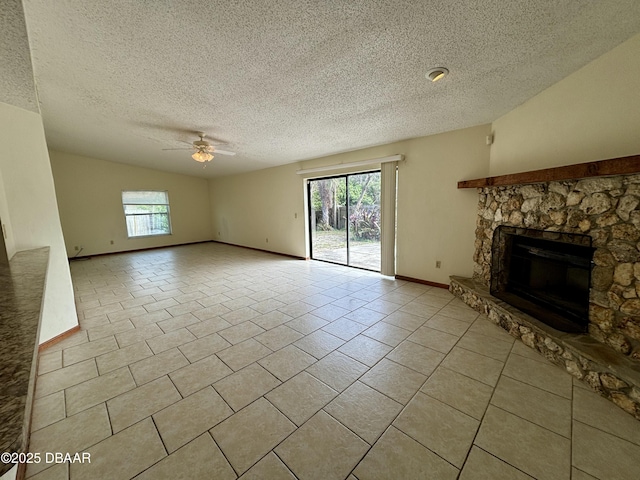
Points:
(90, 202)
(30, 212)
(268, 204)
(436, 221)
(593, 114)
(5, 219)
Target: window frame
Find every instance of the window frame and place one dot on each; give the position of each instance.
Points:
(127, 215)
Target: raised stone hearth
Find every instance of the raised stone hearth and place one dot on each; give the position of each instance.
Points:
(609, 373)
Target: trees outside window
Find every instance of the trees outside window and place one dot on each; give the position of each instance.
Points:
(344, 221)
(146, 213)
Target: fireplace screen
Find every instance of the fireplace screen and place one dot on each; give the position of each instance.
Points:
(545, 274)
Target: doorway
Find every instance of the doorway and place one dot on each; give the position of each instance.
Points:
(344, 219)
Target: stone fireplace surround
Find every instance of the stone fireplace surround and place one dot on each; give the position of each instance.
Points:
(607, 209)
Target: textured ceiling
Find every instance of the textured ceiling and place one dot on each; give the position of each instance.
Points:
(16, 76)
(285, 80)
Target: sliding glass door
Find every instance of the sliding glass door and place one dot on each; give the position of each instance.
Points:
(344, 219)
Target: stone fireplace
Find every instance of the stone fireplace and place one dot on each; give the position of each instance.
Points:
(606, 209)
(598, 217)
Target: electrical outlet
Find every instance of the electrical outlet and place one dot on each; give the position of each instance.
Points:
(438, 264)
(218, 233)
(267, 240)
(111, 242)
(295, 215)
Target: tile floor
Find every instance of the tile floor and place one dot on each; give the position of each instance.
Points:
(211, 361)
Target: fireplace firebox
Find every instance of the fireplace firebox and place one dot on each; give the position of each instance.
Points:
(544, 274)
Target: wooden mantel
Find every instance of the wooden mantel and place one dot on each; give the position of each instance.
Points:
(614, 166)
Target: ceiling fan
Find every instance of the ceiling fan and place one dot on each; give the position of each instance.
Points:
(204, 150)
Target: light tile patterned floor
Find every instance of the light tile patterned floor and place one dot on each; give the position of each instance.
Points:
(211, 361)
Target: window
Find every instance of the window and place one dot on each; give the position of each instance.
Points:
(146, 213)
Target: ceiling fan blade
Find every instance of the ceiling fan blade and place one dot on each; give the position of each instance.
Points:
(223, 152)
(178, 148)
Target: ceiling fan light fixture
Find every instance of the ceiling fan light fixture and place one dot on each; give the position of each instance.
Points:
(202, 156)
(203, 145)
(436, 74)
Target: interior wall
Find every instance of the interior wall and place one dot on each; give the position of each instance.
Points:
(89, 193)
(593, 114)
(436, 221)
(30, 212)
(5, 221)
(263, 209)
